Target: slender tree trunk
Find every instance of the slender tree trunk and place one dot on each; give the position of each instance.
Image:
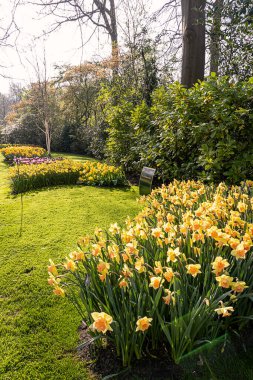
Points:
(114, 36)
(193, 22)
(110, 24)
(215, 36)
(48, 136)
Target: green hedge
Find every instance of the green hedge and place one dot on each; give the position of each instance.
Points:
(203, 132)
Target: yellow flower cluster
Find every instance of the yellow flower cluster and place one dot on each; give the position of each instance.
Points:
(188, 236)
(27, 177)
(59, 172)
(54, 167)
(10, 152)
(97, 173)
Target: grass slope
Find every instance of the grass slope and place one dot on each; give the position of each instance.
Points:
(75, 157)
(38, 331)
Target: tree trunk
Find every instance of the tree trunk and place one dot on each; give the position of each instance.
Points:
(48, 137)
(193, 22)
(114, 36)
(215, 36)
(110, 24)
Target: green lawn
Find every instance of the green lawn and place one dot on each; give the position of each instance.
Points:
(75, 157)
(38, 331)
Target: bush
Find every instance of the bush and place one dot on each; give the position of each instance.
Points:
(30, 177)
(204, 132)
(177, 276)
(11, 152)
(117, 115)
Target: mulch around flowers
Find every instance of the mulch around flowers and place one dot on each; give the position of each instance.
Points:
(103, 362)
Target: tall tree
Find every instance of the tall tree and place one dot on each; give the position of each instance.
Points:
(33, 119)
(43, 98)
(193, 23)
(215, 35)
(101, 13)
(9, 31)
(236, 42)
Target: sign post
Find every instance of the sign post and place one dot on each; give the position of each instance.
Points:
(146, 179)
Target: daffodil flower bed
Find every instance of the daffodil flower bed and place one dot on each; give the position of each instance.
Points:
(177, 276)
(29, 174)
(11, 152)
(30, 177)
(99, 174)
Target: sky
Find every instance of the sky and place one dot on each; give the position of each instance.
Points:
(61, 47)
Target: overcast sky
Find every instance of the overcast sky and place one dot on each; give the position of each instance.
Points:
(61, 46)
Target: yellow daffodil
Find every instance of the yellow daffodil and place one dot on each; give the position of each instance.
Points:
(155, 282)
(169, 274)
(183, 229)
(140, 265)
(102, 322)
(219, 265)
(53, 281)
(169, 297)
(103, 267)
(224, 281)
(242, 207)
(59, 291)
(123, 283)
(167, 227)
(158, 269)
(157, 233)
(126, 272)
(131, 248)
(143, 324)
(196, 250)
(113, 252)
(193, 269)
(96, 249)
(225, 311)
(196, 225)
(70, 265)
(240, 251)
(233, 243)
(239, 286)
(172, 255)
(52, 268)
(77, 255)
(114, 229)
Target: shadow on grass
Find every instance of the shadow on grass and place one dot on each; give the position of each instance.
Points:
(33, 192)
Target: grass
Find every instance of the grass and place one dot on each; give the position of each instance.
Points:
(75, 157)
(38, 331)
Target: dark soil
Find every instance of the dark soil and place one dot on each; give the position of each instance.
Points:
(103, 362)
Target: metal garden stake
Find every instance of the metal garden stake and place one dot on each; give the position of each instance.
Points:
(146, 179)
